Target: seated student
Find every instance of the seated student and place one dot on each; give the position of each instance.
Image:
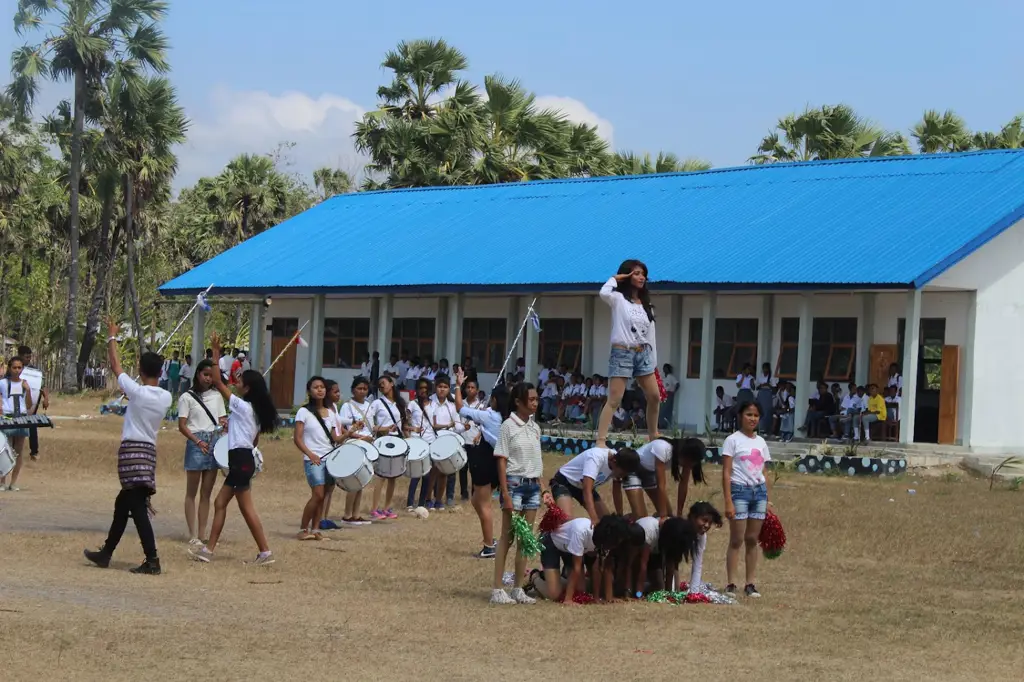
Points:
(574, 397)
(892, 404)
(584, 399)
(568, 544)
(723, 410)
(821, 408)
(621, 420)
(598, 397)
(579, 478)
(549, 399)
(787, 413)
(874, 411)
(849, 407)
(638, 415)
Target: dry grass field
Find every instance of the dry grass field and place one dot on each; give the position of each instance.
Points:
(877, 584)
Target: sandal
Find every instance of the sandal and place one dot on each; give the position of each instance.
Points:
(306, 535)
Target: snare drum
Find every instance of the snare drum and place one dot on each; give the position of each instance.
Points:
(367, 448)
(349, 466)
(394, 452)
(8, 457)
(220, 455)
(448, 453)
(418, 464)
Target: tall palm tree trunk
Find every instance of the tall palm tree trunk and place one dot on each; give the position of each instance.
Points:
(69, 373)
(133, 292)
(103, 264)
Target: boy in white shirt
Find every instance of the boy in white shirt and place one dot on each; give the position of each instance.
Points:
(549, 399)
(723, 409)
(136, 457)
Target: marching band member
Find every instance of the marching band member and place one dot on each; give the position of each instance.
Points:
(443, 417)
(17, 401)
(331, 401)
(356, 416)
(315, 436)
(389, 414)
(419, 427)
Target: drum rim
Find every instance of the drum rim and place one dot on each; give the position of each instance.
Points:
(337, 451)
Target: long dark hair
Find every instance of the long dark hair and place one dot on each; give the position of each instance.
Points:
(328, 385)
(422, 401)
(702, 508)
(399, 400)
(520, 394)
(625, 286)
(610, 533)
(677, 541)
(310, 403)
(687, 450)
(258, 396)
(204, 365)
(502, 403)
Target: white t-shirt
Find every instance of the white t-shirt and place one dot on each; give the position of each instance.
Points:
(187, 372)
(386, 413)
(749, 456)
(895, 380)
(419, 425)
(657, 449)
(190, 409)
(313, 435)
(364, 369)
(550, 391)
(402, 367)
(670, 382)
(242, 426)
(724, 401)
(225, 363)
(652, 531)
(743, 382)
(352, 412)
(592, 464)
(446, 416)
(388, 368)
(414, 373)
(147, 406)
(574, 537)
(630, 324)
(9, 389)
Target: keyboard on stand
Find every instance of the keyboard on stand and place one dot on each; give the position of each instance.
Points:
(25, 421)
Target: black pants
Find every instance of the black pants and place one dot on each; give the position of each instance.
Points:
(133, 502)
(464, 480)
(33, 441)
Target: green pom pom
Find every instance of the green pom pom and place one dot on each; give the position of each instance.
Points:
(522, 534)
(659, 597)
(772, 554)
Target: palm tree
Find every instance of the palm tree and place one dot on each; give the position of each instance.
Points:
(254, 195)
(331, 182)
(945, 132)
(1010, 137)
(628, 163)
(828, 132)
(91, 36)
(423, 70)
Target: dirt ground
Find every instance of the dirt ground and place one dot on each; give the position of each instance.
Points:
(877, 583)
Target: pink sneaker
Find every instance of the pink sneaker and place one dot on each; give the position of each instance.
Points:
(378, 515)
(390, 514)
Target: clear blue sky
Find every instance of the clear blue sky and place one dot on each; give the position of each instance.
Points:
(691, 78)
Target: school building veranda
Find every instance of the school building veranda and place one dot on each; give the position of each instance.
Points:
(827, 270)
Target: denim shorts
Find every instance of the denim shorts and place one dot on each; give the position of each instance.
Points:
(647, 480)
(750, 502)
(525, 493)
(625, 362)
(195, 459)
(317, 474)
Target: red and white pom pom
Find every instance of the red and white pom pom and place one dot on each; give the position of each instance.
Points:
(662, 394)
(773, 538)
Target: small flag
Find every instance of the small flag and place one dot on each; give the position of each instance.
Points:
(535, 319)
(299, 341)
(202, 302)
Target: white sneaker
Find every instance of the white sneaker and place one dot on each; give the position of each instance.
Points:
(195, 542)
(263, 560)
(521, 597)
(13, 488)
(501, 597)
(200, 553)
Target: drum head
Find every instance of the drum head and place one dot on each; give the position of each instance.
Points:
(220, 453)
(418, 448)
(3, 441)
(345, 460)
(367, 448)
(445, 446)
(459, 436)
(391, 446)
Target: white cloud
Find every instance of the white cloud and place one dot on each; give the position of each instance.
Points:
(578, 112)
(254, 121)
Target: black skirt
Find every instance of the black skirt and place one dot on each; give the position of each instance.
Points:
(482, 465)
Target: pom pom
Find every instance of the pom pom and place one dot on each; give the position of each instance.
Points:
(522, 533)
(421, 512)
(663, 395)
(553, 518)
(697, 598)
(773, 538)
(580, 598)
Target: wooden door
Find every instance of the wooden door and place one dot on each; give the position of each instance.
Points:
(949, 394)
(282, 375)
(882, 355)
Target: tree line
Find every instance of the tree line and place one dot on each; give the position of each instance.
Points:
(89, 224)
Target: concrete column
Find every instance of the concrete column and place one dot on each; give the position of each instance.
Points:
(911, 350)
(255, 336)
(385, 321)
(765, 335)
(453, 349)
(374, 324)
(865, 339)
(198, 336)
(531, 341)
(803, 359)
(966, 397)
(709, 311)
(441, 330)
(587, 356)
(676, 355)
(316, 336)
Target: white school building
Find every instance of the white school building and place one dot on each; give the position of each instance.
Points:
(829, 271)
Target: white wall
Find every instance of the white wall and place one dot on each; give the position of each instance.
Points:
(996, 271)
(301, 308)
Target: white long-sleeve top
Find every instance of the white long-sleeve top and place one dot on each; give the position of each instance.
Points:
(630, 324)
(418, 426)
(352, 412)
(445, 416)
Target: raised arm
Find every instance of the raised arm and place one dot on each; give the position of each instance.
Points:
(115, 362)
(218, 380)
(608, 292)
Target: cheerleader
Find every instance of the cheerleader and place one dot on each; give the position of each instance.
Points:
(443, 418)
(568, 545)
(633, 345)
(356, 416)
(389, 415)
(482, 463)
(419, 427)
(315, 436)
(201, 416)
(16, 397)
(251, 414)
(579, 478)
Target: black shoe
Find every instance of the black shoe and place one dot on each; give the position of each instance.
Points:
(730, 590)
(148, 567)
(98, 557)
(751, 591)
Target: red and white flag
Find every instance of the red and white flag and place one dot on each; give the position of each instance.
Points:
(299, 341)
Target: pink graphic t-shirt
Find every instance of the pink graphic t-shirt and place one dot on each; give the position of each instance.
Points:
(749, 456)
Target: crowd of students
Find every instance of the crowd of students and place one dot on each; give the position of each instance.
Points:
(830, 412)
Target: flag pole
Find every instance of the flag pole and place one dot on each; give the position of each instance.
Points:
(187, 315)
(529, 313)
(280, 355)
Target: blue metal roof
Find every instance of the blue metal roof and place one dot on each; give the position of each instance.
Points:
(888, 222)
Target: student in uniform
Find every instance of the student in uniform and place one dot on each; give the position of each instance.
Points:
(389, 415)
(332, 400)
(414, 373)
(315, 436)
(549, 399)
(482, 463)
(403, 369)
(356, 418)
(16, 401)
(201, 416)
(470, 390)
(391, 367)
(671, 384)
(419, 427)
(568, 545)
(849, 408)
(723, 409)
(443, 417)
(579, 478)
(787, 413)
(895, 378)
(187, 375)
(40, 396)
(136, 456)
(745, 384)
(252, 413)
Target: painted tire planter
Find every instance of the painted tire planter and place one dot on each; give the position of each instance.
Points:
(851, 466)
(574, 446)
